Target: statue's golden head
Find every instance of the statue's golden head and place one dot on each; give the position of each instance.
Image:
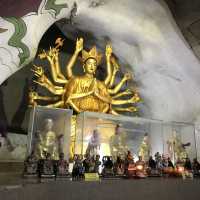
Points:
(91, 60)
(93, 54)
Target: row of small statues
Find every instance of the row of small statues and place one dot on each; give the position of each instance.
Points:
(46, 167)
(160, 165)
(92, 164)
(162, 161)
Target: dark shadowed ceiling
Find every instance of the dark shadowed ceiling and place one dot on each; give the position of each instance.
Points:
(187, 16)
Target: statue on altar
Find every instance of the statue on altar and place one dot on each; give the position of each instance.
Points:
(144, 149)
(47, 141)
(176, 149)
(85, 92)
(118, 144)
(93, 147)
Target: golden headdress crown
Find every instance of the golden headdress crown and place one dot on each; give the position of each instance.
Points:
(91, 54)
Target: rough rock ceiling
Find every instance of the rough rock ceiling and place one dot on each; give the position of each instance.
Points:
(147, 39)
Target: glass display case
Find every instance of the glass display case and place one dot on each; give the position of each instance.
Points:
(110, 135)
(49, 132)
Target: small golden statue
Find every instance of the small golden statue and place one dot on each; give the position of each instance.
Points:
(144, 149)
(94, 144)
(176, 149)
(118, 143)
(86, 92)
(47, 141)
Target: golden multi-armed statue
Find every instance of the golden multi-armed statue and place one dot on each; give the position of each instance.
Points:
(86, 92)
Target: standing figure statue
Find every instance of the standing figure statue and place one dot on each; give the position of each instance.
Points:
(85, 92)
(47, 141)
(94, 144)
(176, 148)
(144, 149)
(118, 143)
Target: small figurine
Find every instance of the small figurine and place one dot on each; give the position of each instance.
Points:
(31, 165)
(77, 171)
(144, 149)
(152, 168)
(187, 169)
(176, 148)
(129, 158)
(196, 167)
(164, 161)
(46, 166)
(62, 166)
(97, 164)
(107, 166)
(158, 159)
(167, 166)
(152, 163)
(119, 167)
(140, 171)
(129, 165)
(86, 163)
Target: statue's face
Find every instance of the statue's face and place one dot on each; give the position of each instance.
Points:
(49, 125)
(90, 66)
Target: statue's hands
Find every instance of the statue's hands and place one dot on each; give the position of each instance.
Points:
(79, 45)
(41, 80)
(135, 98)
(38, 71)
(127, 77)
(42, 55)
(108, 50)
(33, 95)
(52, 54)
